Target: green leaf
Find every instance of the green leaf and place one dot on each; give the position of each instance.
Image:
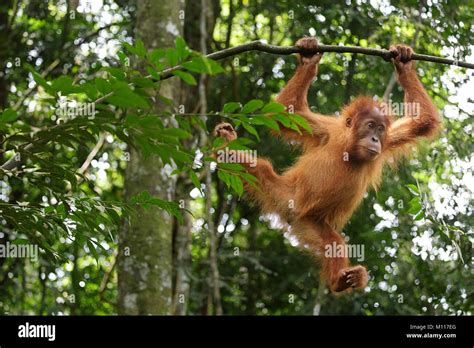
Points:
(458, 249)
(90, 89)
(156, 59)
(252, 105)
(444, 237)
(116, 72)
(231, 107)
(156, 54)
(113, 212)
(122, 56)
(231, 166)
(8, 116)
(186, 77)
(153, 73)
(195, 180)
(415, 207)
(273, 107)
(302, 122)
(93, 250)
(223, 176)
(283, 119)
(142, 82)
(103, 85)
(181, 48)
(239, 144)
(129, 48)
(131, 120)
(203, 65)
(20, 241)
(64, 84)
(252, 180)
(420, 215)
(49, 209)
(237, 185)
(171, 56)
(268, 122)
(181, 157)
(140, 48)
(251, 130)
(218, 142)
(125, 97)
(413, 189)
(176, 132)
(61, 209)
(165, 100)
(150, 122)
(41, 81)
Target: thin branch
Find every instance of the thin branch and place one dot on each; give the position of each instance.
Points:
(107, 274)
(230, 20)
(286, 50)
(11, 20)
(95, 33)
(30, 90)
(92, 154)
(15, 161)
(65, 30)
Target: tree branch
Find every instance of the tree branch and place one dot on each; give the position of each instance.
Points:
(92, 154)
(286, 50)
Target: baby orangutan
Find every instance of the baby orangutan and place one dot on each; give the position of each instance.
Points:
(341, 159)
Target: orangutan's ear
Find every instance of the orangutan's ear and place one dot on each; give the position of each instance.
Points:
(348, 122)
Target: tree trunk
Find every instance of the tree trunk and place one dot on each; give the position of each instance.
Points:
(182, 251)
(182, 231)
(145, 244)
(206, 13)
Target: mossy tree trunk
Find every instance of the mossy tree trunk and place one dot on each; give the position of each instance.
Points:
(145, 244)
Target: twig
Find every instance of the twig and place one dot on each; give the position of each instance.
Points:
(106, 278)
(14, 162)
(92, 154)
(11, 20)
(30, 90)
